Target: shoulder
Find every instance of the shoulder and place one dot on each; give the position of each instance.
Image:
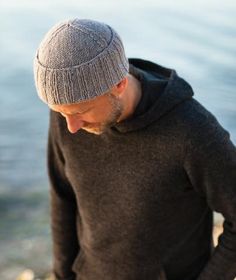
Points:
(201, 126)
(56, 122)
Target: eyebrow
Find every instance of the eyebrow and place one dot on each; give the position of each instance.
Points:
(78, 112)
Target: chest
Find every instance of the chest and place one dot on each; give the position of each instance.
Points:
(132, 168)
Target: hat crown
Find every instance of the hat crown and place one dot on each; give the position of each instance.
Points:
(74, 42)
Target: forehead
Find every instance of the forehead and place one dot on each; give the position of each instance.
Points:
(77, 107)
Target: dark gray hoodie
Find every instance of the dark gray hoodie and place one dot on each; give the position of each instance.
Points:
(136, 202)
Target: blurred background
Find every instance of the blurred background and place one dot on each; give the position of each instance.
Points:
(196, 38)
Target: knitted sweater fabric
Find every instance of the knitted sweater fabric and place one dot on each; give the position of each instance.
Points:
(137, 202)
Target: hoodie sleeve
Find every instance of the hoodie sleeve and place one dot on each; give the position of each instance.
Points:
(63, 213)
(210, 163)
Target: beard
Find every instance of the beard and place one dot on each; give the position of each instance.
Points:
(112, 118)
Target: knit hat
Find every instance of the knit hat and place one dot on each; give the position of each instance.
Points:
(78, 60)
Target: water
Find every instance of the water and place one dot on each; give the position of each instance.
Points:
(197, 38)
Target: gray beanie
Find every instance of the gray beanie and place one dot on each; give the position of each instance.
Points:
(78, 60)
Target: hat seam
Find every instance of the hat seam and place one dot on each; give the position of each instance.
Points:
(55, 32)
(89, 31)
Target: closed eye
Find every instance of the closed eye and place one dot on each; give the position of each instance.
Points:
(76, 113)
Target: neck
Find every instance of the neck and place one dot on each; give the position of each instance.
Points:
(131, 97)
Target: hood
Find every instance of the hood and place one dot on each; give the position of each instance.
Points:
(150, 74)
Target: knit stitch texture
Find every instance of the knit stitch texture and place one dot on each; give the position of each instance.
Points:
(78, 60)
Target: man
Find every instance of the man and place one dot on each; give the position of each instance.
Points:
(136, 164)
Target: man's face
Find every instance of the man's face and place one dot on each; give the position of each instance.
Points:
(94, 116)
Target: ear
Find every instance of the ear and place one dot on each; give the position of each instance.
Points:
(122, 85)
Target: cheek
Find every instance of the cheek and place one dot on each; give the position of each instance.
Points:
(99, 114)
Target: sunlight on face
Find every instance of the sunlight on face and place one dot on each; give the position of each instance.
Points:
(111, 119)
(94, 116)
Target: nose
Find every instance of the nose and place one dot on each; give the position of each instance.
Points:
(74, 123)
